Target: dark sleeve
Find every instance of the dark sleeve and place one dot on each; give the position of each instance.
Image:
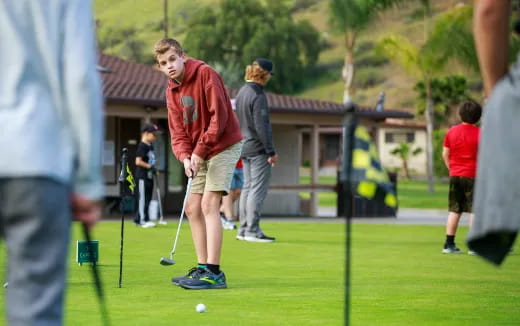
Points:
(262, 124)
(141, 152)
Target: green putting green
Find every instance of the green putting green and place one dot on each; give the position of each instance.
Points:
(399, 278)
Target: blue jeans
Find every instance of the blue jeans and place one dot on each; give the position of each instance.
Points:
(35, 218)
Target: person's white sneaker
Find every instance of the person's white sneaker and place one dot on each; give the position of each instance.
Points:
(227, 224)
(163, 222)
(148, 225)
(259, 238)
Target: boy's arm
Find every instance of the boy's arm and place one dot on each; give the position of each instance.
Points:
(139, 162)
(180, 141)
(491, 30)
(83, 100)
(262, 124)
(446, 156)
(219, 105)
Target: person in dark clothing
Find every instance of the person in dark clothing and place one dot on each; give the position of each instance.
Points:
(145, 169)
(258, 153)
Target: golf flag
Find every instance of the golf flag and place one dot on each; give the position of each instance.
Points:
(368, 178)
(130, 178)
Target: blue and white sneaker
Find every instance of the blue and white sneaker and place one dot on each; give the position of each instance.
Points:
(227, 224)
(451, 249)
(192, 273)
(206, 280)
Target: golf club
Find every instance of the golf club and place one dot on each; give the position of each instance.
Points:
(97, 278)
(159, 200)
(169, 261)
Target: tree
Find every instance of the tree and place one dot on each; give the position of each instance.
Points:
(425, 63)
(404, 152)
(447, 94)
(237, 32)
(350, 17)
(453, 34)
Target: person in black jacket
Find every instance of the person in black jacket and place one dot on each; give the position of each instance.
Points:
(258, 153)
(145, 169)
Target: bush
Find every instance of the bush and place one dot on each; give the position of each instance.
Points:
(372, 59)
(368, 77)
(439, 168)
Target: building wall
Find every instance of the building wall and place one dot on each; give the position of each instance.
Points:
(417, 164)
(285, 172)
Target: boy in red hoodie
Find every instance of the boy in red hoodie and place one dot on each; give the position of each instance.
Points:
(206, 138)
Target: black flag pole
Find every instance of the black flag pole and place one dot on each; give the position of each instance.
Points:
(126, 205)
(349, 127)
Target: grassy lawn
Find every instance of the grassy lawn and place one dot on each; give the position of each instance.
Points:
(411, 194)
(415, 194)
(399, 278)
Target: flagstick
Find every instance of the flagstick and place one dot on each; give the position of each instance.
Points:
(122, 192)
(121, 250)
(349, 127)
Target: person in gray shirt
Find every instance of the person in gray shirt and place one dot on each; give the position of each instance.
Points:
(51, 115)
(258, 153)
(497, 188)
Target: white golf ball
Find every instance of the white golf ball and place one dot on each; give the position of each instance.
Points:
(200, 307)
(5, 285)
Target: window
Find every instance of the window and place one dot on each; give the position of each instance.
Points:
(331, 147)
(399, 137)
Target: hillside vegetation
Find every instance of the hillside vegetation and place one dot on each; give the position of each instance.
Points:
(129, 28)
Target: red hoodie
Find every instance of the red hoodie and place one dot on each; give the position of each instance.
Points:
(200, 116)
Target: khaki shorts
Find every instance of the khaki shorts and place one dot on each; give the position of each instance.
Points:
(216, 173)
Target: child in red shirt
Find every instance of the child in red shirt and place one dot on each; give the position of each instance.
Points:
(460, 156)
(206, 138)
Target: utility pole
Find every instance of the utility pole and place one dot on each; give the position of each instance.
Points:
(165, 7)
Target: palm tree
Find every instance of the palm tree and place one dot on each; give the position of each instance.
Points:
(428, 61)
(404, 152)
(350, 17)
(424, 63)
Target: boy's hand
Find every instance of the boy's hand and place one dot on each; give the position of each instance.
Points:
(187, 168)
(272, 159)
(85, 210)
(196, 163)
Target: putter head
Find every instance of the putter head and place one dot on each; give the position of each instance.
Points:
(167, 261)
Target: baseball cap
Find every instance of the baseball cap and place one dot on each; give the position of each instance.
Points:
(150, 128)
(265, 64)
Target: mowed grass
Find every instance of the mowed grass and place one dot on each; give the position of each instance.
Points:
(415, 194)
(399, 278)
(410, 193)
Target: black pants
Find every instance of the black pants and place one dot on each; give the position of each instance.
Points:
(144, 190)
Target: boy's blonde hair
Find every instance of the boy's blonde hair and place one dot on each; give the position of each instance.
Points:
(164, 45)
(255, 73)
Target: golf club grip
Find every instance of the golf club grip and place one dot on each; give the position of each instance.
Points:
(124, 162)
(188, 189)
(97, 279)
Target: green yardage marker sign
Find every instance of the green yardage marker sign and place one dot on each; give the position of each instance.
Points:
(83, 253)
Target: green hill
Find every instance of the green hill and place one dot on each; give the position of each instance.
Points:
(128, 28)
